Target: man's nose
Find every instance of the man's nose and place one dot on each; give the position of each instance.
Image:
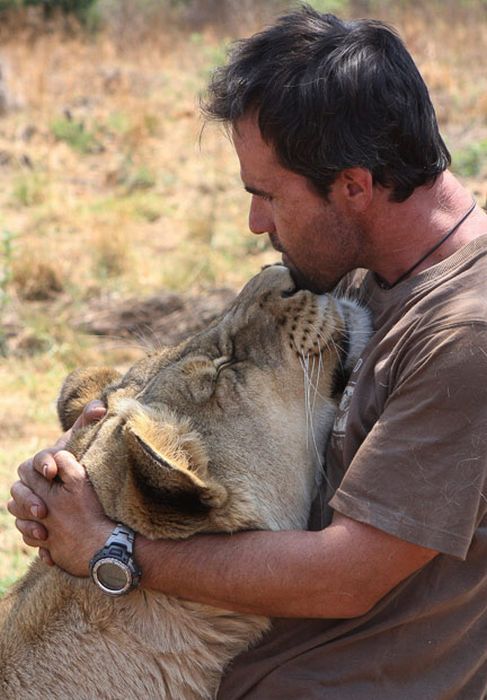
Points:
(260, 216)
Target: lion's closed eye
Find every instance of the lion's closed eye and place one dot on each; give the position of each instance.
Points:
(223, 362)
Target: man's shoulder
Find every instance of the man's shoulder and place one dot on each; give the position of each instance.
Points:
(457, 299)
(451, 293)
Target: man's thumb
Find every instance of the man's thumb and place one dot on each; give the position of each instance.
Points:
(92, 413)
(69, 469)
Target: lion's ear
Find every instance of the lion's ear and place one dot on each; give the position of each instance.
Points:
(166, 491)
(79, 388)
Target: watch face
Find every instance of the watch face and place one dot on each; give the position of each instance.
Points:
(112, 575)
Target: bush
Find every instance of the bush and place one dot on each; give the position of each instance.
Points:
(79, 8)
(471, 160)
(75, 135)
(6, 5)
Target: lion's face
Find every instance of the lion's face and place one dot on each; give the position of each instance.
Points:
(227, 430)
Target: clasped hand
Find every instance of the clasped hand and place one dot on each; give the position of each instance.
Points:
(61, 516)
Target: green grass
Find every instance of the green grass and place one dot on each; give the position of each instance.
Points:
(471, 161)
(28, 189)
(76, 135)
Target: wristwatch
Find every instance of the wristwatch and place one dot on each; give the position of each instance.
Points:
(113, 568)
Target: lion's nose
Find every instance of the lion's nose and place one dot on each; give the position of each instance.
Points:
(278, 277)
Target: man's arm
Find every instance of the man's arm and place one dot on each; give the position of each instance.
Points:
(339, 572)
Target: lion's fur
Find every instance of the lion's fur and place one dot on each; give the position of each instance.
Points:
(211, 436)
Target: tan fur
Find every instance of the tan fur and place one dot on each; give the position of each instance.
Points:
(211, 436)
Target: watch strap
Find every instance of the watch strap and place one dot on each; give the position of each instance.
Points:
(121, 541)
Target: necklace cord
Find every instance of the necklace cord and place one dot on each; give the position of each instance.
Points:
(435, 247)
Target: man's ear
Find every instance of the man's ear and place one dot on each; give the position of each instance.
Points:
(355, 187)
(79, 388)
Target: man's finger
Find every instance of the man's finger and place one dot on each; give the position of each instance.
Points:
(45, 557)
(43, 463)
(32, 533)
(61, 442)
(32, 471)
(92, 413)
(70, 471)
(24, 503)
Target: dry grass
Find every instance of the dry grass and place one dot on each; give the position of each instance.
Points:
(104, 189)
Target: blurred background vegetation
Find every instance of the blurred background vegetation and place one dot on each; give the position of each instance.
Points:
(110, 189)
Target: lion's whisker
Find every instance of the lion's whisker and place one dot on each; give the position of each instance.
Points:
(332, 344)
(310, 383)
(304, 361)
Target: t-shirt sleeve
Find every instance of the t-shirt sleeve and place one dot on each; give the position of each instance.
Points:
(420, 474)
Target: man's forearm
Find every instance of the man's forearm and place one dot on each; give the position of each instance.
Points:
(341, 571)
(264, 573)
(335, 573)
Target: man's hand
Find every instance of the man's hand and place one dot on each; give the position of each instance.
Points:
(73, 524)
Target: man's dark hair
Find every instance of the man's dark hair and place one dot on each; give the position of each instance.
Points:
(331, 95)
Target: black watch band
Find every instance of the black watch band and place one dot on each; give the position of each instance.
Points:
(113, 568)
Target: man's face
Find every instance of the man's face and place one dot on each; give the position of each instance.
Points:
(318, 239)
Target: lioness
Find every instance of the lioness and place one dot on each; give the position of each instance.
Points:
(224, 432)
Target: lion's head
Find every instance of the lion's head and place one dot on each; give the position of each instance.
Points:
(227, 430)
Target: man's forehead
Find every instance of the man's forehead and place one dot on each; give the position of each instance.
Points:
(259, 165)
(245, 126)
(246, 136)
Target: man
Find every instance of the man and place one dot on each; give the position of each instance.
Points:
(340, 151)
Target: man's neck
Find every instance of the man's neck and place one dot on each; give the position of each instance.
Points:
(403, 233)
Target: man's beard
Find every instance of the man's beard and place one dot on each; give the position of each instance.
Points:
(304, 281)
(301, 280)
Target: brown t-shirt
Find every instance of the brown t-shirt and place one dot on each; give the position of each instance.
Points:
(408, 455)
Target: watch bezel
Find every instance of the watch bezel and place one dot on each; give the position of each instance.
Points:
(126, 569)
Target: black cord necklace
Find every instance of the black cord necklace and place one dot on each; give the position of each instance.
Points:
(431, 250)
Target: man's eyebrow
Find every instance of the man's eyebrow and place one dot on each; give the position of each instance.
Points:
(256, 192)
